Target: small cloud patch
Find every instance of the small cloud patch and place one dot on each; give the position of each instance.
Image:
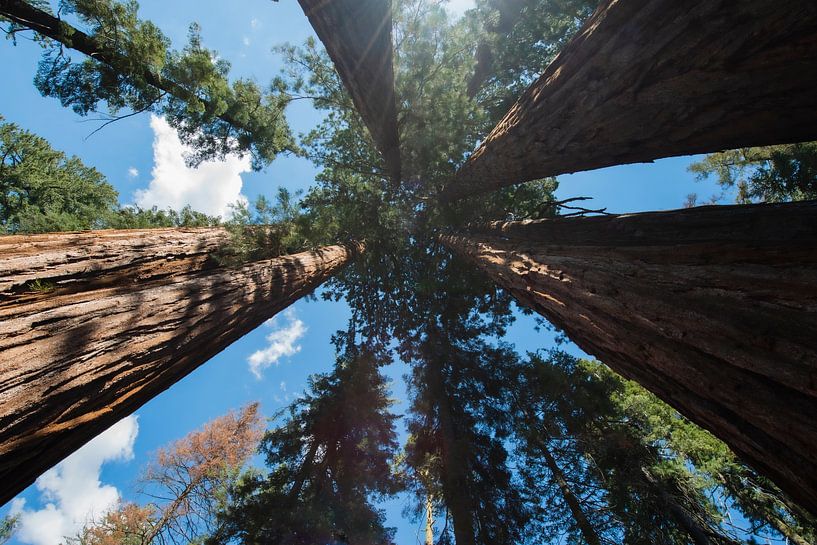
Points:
(71, 492)
(210, 188)
(281, 342)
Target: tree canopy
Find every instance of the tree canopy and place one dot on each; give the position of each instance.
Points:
(129, 66)
(764, 174)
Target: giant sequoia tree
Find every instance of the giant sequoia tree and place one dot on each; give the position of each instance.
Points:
(502, 449)
(652, 296)
(644, 80)
(86, 343)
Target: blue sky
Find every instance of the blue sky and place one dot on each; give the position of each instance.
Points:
(142, 159)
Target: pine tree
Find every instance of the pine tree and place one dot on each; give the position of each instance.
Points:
(329, 458)
(766, 174)
(193, 476)
(41, 189)
(130, 66)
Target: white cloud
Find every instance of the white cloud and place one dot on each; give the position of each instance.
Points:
(255, 23)
(133, 172)
(456, 8)
(281, 342)
(246, 41)
(72, 492)
(210, 188)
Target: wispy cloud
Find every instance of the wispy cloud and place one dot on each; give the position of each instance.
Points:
(210, 188)
(281, 342)
(71, 492)
(133, 172)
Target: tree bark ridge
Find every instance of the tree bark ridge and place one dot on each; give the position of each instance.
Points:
(72, 365)
(646, 79)
(719, 321)
(357, 35)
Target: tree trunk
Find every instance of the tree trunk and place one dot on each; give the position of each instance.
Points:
(713, 309)
(684, 520)
(573, 503)
(88, 259)
(74, 363)
(429, 520)
(454, 459)
(786, 531)
(659, 78)
(357, 36)
(45, 24)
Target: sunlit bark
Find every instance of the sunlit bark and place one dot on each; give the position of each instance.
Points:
(74, 362)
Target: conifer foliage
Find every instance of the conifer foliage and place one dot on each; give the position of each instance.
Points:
(129, 66)
(330, 456)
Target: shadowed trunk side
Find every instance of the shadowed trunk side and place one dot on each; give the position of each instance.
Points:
(357, 35)
(659, 78)
(713, 309)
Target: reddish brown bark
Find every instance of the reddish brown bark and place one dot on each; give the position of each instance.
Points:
(77, 260)
(646, 79)
(74, 362)
(714, 309)
(357, 36)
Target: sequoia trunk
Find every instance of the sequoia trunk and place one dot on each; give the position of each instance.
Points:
(714, 309)
(646, 79)
(75, 360)
(357, 36)
(79, 261)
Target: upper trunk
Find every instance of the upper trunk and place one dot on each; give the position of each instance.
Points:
(453, 457)
(74, 362)
(357, 36)
(78, 261)
(713, 309)
(644, 80)
(588, 532)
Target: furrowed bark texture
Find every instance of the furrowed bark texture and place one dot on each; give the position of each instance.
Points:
(357, 36)
(646, 79)
(78, 260)
(713, 309)
(73, 364)
(45, 24)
